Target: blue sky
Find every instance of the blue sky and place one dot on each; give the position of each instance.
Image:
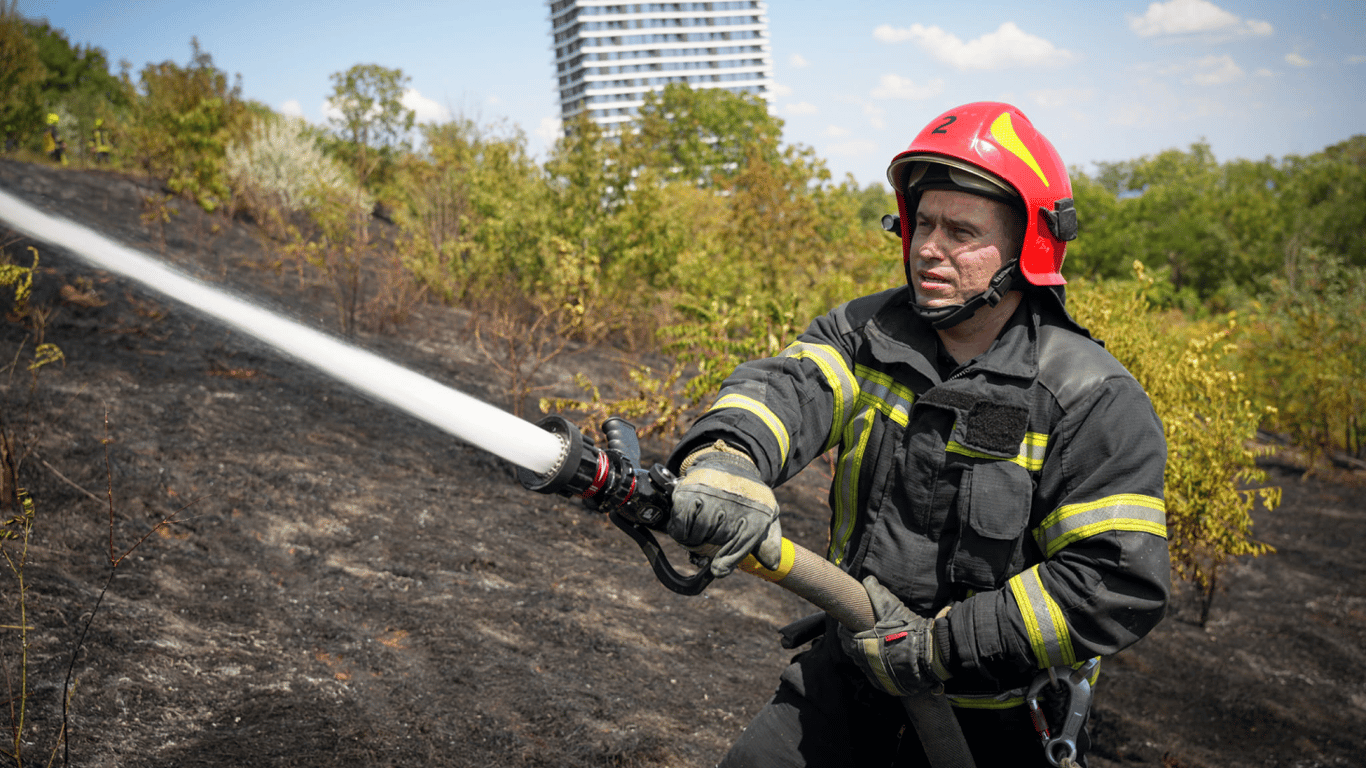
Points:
(855, 79)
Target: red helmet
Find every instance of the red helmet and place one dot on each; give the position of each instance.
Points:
(992, 149)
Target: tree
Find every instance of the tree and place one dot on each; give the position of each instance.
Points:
(372, 117)
(701, 136)
(21, 77)
(77, 85)
(183, 123)
(474, 210)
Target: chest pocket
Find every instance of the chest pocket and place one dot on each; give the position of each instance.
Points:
(995, 495)
(994, 501)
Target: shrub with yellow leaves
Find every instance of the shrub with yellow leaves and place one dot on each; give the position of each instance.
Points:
(1208, 416)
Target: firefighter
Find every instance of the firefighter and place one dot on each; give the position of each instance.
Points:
(52, 143)
(99, 142)
(999, 476)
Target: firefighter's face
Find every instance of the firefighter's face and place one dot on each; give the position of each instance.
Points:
(959, 243)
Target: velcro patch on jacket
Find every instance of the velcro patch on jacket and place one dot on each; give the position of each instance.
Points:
(997, 428)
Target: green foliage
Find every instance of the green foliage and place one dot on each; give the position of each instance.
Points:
(715, 337)
(473, 211)
(701, 137)
(184, 121)
(21, 77)
(1325, 202)
(1208, 417)
(653, 403)
(1304, 351)
(1215, 231)
(372, 121)
(337, 243)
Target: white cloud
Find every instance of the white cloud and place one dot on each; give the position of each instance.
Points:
(897, 87)
(798, 61)
(800, 108)
(1186, 17)
(425, 110)
(1264, 72)
(835, 131)
(549, 130)
(781, 91)
(874, 113)
(1133, 113)
(292, 108)
(1061, 97)
(1216, 70)
(1297, 60)
(1008, 46)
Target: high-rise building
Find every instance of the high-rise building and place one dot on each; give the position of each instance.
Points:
(609, 54)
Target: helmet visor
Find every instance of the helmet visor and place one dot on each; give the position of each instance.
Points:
(937, 172)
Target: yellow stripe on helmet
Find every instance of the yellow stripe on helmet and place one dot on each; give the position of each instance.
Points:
(1004, 132)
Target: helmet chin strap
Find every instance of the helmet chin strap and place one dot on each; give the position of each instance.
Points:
(948, 316)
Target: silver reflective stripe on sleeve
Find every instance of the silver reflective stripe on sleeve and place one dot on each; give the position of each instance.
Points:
(1122, 512)
(1043, 619)
(765, 414)
(843, 386)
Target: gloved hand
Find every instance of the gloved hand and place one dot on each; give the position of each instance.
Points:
(898, 653)
(723, 509)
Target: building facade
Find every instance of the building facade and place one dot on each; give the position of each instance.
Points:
(609, 55)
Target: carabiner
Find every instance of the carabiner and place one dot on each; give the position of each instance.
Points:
(1060, 747)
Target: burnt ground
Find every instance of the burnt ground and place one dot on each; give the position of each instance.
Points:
(350, 587)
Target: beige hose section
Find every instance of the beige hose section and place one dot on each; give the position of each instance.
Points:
(821, 582)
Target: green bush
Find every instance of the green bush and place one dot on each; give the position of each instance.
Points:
(280, 162)
(1208, 416)
(183, 122)
(1304, 351)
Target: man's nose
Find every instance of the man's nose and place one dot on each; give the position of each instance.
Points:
(929, 249)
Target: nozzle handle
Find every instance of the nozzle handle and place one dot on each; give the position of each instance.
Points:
(621, 436)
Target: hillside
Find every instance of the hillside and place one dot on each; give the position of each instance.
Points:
(346, 586)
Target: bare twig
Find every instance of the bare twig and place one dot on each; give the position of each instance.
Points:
(69, 482)
(114, 561)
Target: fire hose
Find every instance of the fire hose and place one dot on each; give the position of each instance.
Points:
(638, 501)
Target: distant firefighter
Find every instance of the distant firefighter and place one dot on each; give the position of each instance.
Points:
(52, 144)
(99, 142)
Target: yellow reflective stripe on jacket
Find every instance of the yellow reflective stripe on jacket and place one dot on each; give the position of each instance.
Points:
(1122, 512)
(880, 391)
(1044, 622)
(1030, 457)
(1008, 699)
(843, 386)
(854, 444)
(765, 414)
(877, 393)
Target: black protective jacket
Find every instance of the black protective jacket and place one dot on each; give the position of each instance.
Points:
(1024, 488)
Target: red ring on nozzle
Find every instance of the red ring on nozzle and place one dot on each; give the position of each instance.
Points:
(600, 479)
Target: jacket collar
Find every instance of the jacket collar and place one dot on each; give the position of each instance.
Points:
(896, 335)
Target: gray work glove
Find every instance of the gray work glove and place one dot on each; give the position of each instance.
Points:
(723, 509)
(898, 653)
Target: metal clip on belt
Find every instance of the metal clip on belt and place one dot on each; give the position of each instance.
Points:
(1060, 747)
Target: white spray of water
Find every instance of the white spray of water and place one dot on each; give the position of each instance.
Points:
(471, 420)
